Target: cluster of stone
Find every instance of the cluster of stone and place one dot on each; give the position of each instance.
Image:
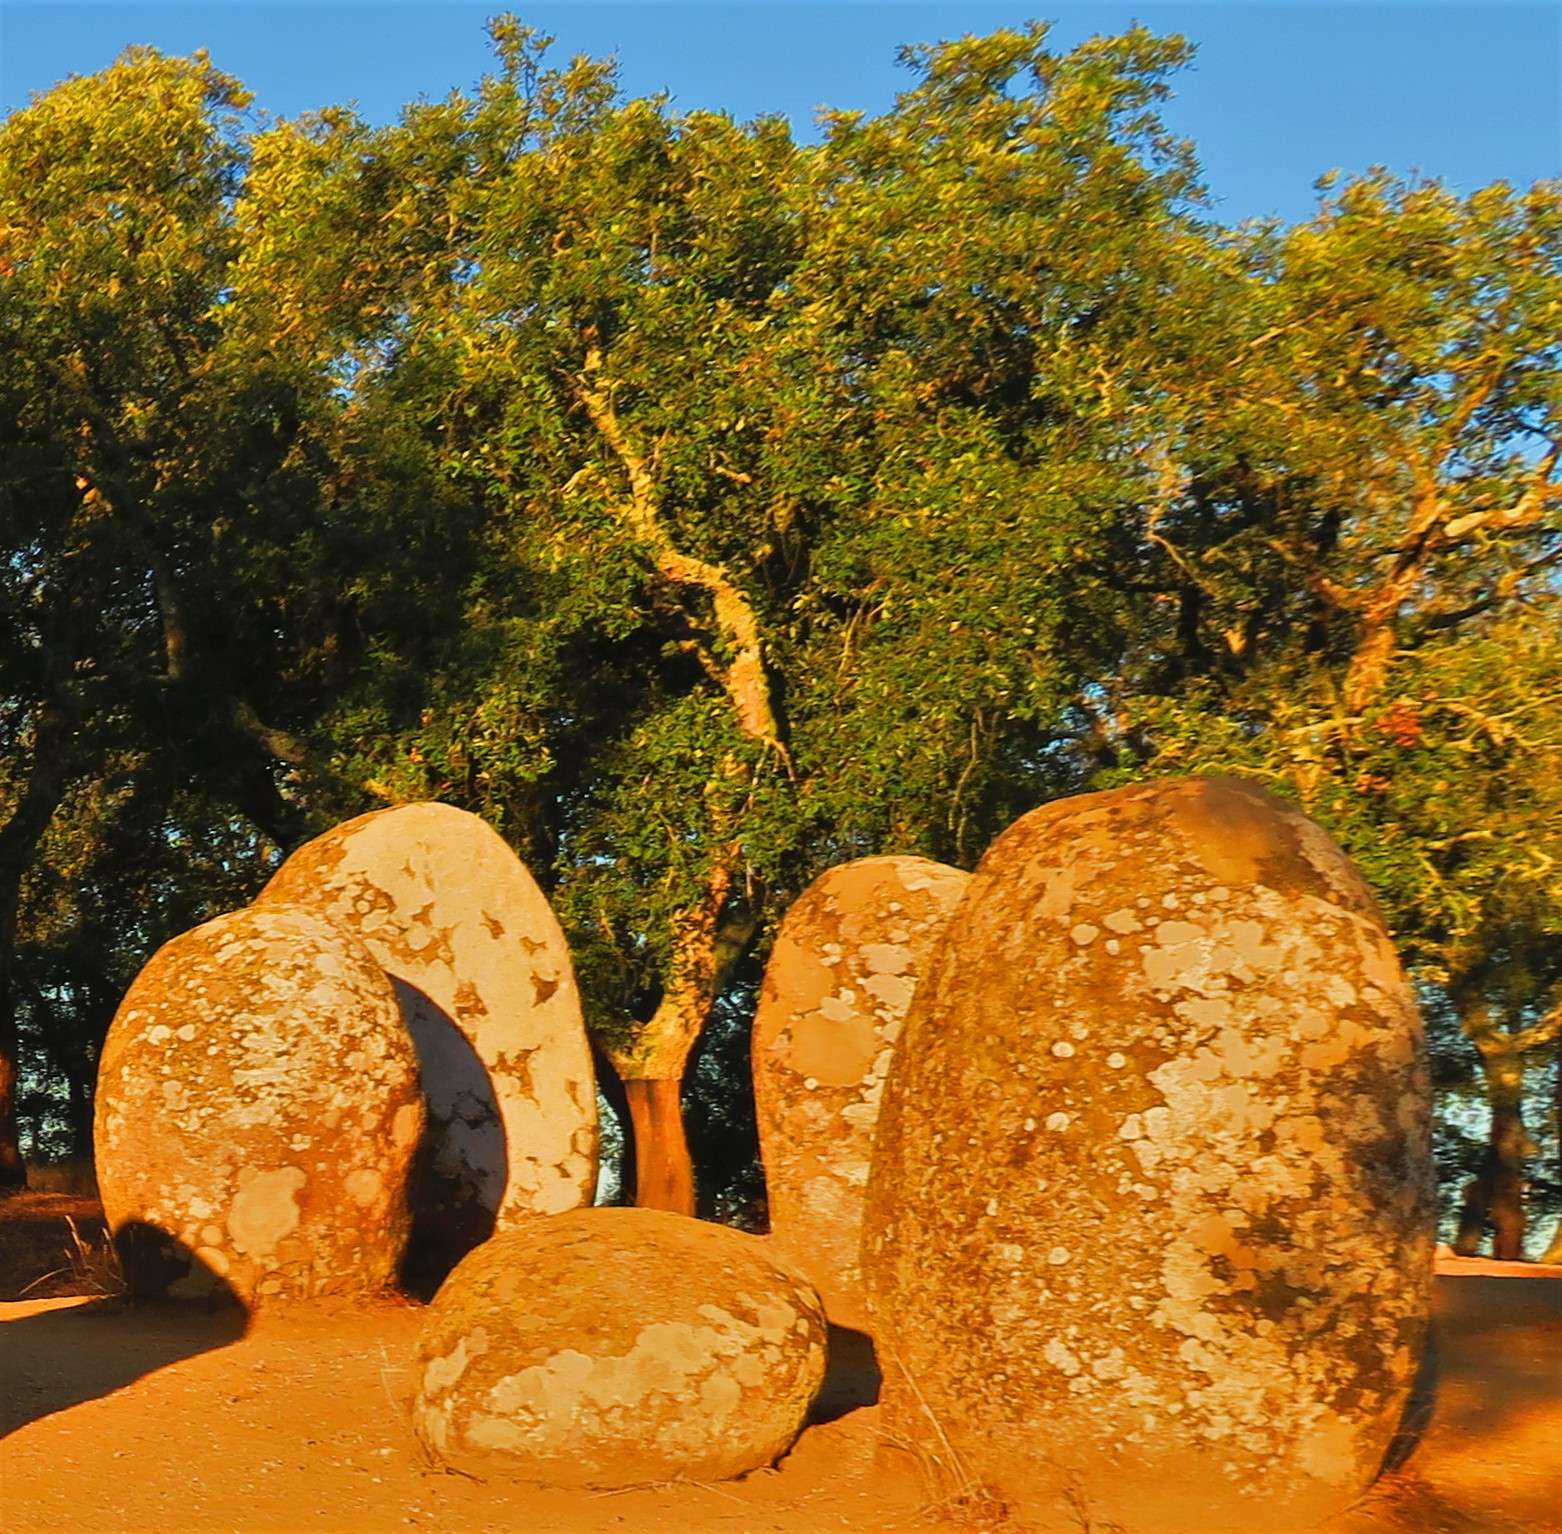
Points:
(1119, 1148)
(388, 1042)
(1149, 1216)
(841, 975)
(613, 1347)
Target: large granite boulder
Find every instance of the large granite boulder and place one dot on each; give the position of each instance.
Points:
(610, 1347)
(1149, 1221)
(257, 1113)
(841, 975)
(484, 978)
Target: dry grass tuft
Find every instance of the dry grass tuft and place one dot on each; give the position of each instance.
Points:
(1079, 1509)
(957, 1495)
(91, 1266)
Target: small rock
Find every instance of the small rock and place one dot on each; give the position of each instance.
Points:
(613, 1347)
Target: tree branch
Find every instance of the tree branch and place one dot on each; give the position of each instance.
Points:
(744, 678)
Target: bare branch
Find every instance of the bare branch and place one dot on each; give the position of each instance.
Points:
(744, 679)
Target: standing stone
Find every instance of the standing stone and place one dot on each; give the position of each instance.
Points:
(845, 964)
(257, 1111)
(1149, 1223)
(611, 1347)
(484, 978)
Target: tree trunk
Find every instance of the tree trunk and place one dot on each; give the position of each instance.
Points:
(1496, 1193)
(19, 837)
(1553, 1252)
(77, 1075)
(1472, 1212)
(1509, 1148)
(13, 1174)
(664, 1170)
(611, 1085)
(709, 940)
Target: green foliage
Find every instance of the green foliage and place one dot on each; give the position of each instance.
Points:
(704, 508)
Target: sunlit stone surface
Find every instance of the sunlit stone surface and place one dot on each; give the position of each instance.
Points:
(841, 975)
(485, 980)
(1149, 1221)
(610, 1347)
(257, 1112)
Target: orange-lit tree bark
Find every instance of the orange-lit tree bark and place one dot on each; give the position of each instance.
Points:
(706, 937)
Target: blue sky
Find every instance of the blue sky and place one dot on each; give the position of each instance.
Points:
(1279, 93)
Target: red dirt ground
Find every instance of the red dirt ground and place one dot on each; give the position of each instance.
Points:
(155, 1418)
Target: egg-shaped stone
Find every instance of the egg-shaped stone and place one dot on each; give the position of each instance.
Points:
(484, 977)
(612, 1347)
(845, 964)
(257, 1112)
(1149, 1221)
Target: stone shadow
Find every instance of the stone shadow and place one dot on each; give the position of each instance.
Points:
(851, 1377)
(55, 1359)
(461, 1164)
(1420, 1406)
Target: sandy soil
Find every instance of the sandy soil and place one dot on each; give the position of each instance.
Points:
(125, 1420)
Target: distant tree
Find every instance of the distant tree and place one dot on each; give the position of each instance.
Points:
(185, 515)
(1348, 586)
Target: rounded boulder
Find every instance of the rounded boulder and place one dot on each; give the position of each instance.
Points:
(483, 974)
(1149, 1224)
(614, 1347)
(257, 1112)
(841, 975)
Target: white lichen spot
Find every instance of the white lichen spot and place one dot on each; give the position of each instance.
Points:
(364, 1186)
(265, 1210)
(1063, 1049)
(1117, 1060)
(1085, 934)
(1058, 1121)
(1058, 1256)
(1059, 1356)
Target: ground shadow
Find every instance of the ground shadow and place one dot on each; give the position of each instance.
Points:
(851, 1378)
(461, 1164)
(55, 1359)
